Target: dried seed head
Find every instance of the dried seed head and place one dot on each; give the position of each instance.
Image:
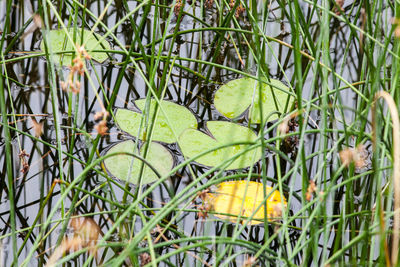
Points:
(77, 84)
(356, 155)
(24, 162)
(23, 154)
(89, 232)
(101, 127)
(177, 8)
(209, 4)
(66, 245)
(25, 167)
(232, 4)
(346, 156)
(310, 190)
(63, 85)
(38, 21)
(239, 11)
(203, 194)
(284, 127)
(101, 115)
(277, 210)
(144, 258)
(339, 9)
(396, 22)
(203, 210)
(81, 49)
(37, 127)
(250, 262)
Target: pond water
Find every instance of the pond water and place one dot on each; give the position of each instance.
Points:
(191, 84)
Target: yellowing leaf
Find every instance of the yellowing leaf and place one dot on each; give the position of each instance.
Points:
(228, 198)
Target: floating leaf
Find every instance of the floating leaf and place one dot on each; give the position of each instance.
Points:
(60, 42)
(244, 198)
(179, 119)
(193, 142)
(121, 166)
(235, 97)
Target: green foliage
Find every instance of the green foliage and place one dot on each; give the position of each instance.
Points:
(193, 142)
(171, 121)
(314, 145)
(127, 168)
(235, 97)
(63, 47)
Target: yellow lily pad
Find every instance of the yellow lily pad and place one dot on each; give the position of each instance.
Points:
(244, 198)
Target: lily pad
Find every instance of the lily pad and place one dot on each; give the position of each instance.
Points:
(244, 198)
(60, 42)
(235, 97)
(127, 168)
(167, 131)
(193, 142)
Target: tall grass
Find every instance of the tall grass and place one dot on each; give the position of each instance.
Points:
(60, 206)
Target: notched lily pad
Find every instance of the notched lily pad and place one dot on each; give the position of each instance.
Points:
(127, 168)
(60, 42)
(233, 198)
(179, 119)
(235, 97)
(193, 142)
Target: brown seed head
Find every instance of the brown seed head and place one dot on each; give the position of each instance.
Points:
(356, 155)
(250, 262)
(101, 127)
(310, 190)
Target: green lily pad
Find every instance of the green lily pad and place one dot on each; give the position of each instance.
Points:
(193, 142)
(235, 97)
(60, 42)
(167, 131)
(127, 168)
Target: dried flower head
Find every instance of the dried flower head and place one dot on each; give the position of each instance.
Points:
(37, 127)
(86, 234)
(277, 210)
(288, 124)
(209, 4)
(203, 194)
(25, 167)
(66, 245)
(178, 7)
(63, 85)
(396, 23)
(37, 20)
(88, 231)
(250, 262)
(283, 128)
(144, 258)
(239, 11)
(232, 4)
(23, 154)
(356, 155)
(24, 161)
(310, 190)
(77, 68)
(203, 210)
(101, 127)
(101, 115)
(339, 8)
